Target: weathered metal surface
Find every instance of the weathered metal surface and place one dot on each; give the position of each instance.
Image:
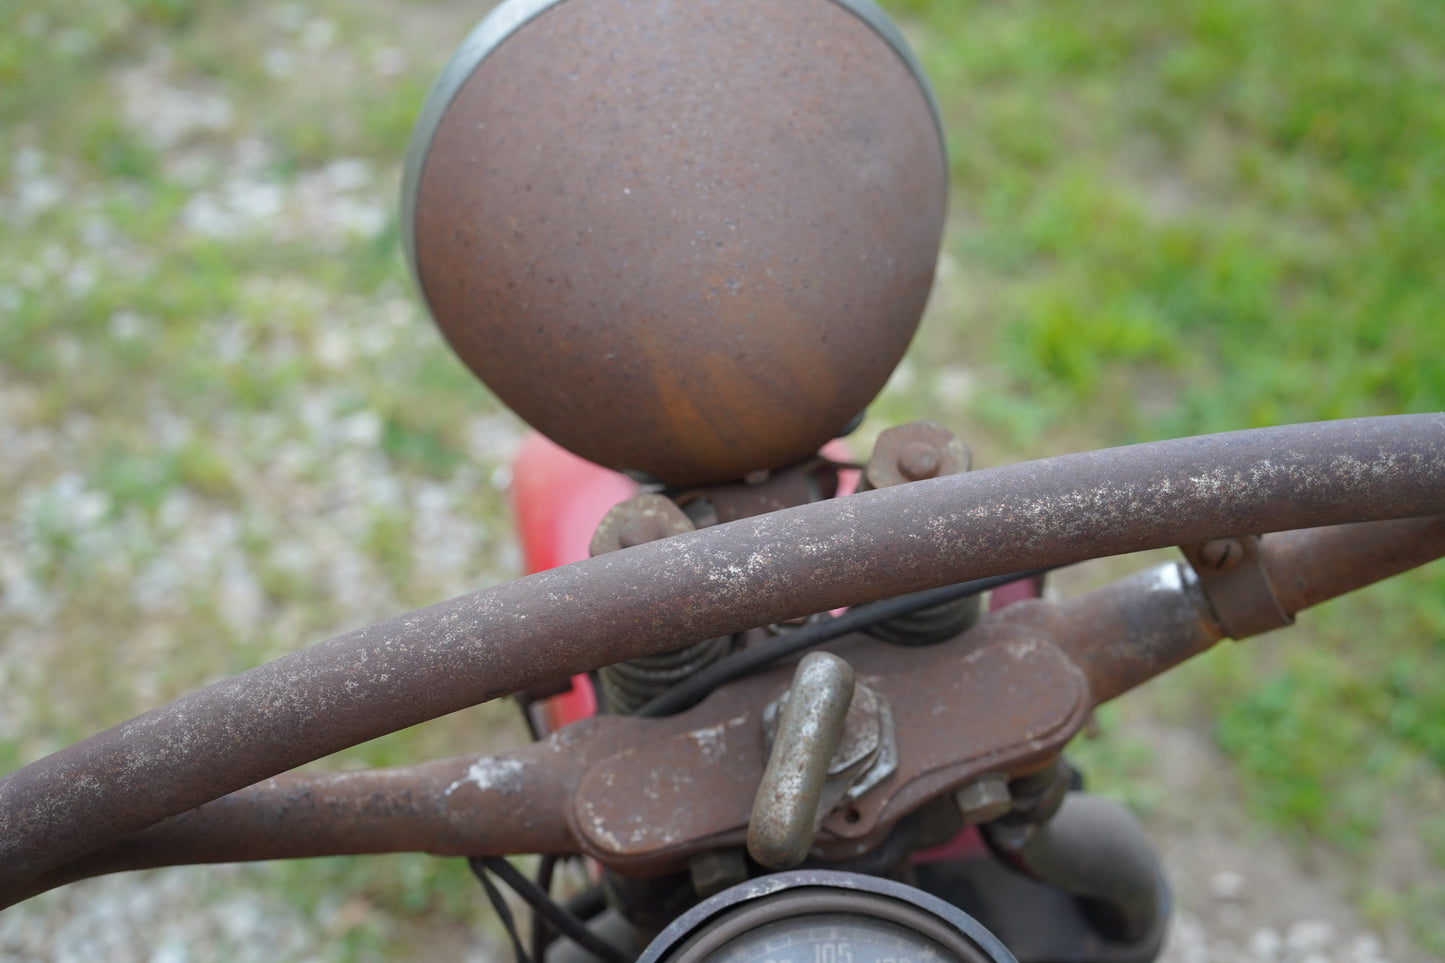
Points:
(868, 753)
(1004, 700)
(639, 794)
(913, 452)
(811, 481)
(1127, 632)
(641, 519)
(1132, 630)
(810, 730)
(433, 807)
(1120, 635)
(960, 711)
(703, 584)
(725, 297)
(629, 685)
(1308, 567)
(985, 799)
(1235, 580)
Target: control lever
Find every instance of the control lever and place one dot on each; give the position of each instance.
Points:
(785, 811)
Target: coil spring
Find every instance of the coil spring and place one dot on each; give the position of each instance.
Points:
(930, 626)
(628, 686)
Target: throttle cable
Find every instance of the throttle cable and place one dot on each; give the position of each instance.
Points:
(692, 690)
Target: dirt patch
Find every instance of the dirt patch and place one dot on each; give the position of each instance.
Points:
(1242, 893)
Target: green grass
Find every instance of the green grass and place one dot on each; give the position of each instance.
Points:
(1166, 218)
(1241, 201)
(1198, 216)
(245, 417)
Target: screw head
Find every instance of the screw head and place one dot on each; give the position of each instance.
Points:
(1222, 553)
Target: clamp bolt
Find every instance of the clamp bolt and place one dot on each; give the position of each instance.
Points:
(1222, 553)
(985, 799)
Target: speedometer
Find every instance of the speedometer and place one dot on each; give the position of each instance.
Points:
(814, 916)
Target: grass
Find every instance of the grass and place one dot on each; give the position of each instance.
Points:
(1188, 217)
(244, 436)
(231, 430)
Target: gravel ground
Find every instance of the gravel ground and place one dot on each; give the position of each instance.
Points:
(1242, 894)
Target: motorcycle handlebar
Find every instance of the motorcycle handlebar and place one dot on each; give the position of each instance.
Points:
(656, 596)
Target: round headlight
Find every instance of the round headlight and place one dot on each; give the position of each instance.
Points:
(691, 238)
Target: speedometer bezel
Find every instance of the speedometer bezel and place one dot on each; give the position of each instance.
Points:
(736, 912)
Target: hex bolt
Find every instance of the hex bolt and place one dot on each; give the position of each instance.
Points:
(985, 799)
(1222, 553)
(640, 519)
(919, 460)
(640, 530)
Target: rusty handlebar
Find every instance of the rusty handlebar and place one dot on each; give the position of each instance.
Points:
(657, 596)
(1118, 636)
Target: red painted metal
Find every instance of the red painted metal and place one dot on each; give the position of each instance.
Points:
(1024, 588)
(558, 499)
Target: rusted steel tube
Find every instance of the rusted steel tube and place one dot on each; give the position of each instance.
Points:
(428, 808)
(509, 802)
(1128, 632)
(1121, 635)
(1311, 566)
(657, 596)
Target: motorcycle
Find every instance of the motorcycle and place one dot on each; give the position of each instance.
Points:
(689, 247)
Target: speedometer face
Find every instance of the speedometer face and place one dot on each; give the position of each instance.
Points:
(831, 938)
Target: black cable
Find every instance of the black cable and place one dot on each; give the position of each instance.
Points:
(587, 904)
(541, 932)
(692, 690)
(504, 912)
(526, 707)
(566, 924)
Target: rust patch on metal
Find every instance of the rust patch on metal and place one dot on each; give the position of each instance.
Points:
(641, 519)
(688, 239)
(1119, 636)
(813, 480)
(691, 787)
(1310, 566)
(1127, 632)
(1010, 705)
(914, 452)
(703, 584)
(1234, 578)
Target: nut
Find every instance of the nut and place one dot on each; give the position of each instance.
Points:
(985, 799)
(640, 519)
(913, 452)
